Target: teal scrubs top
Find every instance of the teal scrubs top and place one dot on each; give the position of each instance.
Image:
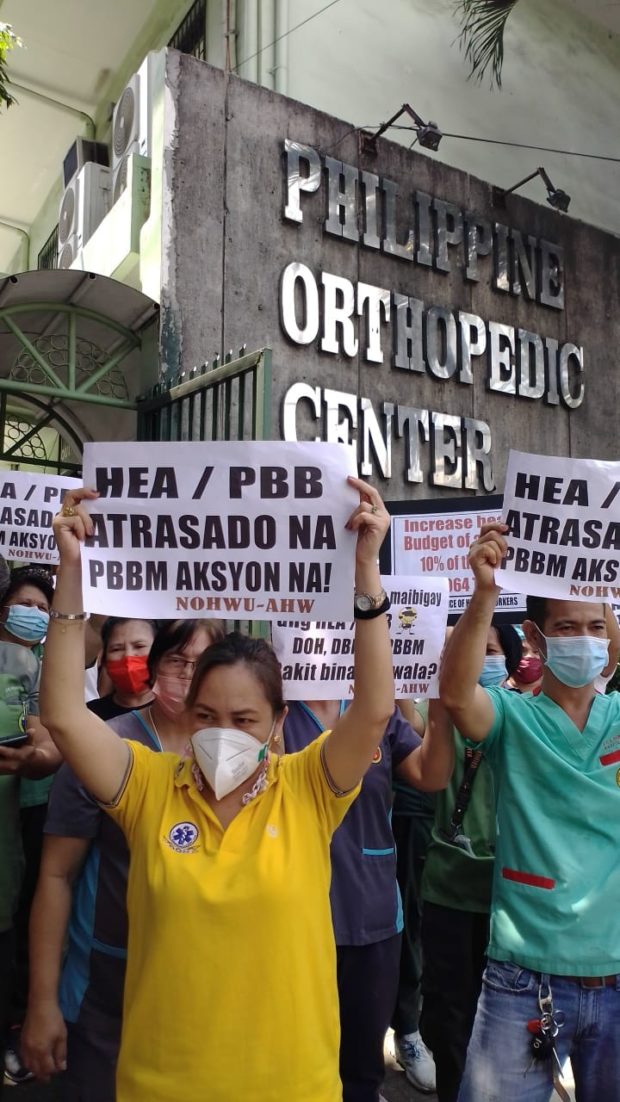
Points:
(556, 889)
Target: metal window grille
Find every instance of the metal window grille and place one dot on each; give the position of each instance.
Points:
(48, 257)
(190, 36)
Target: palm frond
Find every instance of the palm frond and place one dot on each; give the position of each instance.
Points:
(8, 41)
(482, 34)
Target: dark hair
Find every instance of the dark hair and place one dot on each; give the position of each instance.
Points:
(236, 649)
(510, 643)
(30, 575)
(5, 576)
(112, 622)
(536, 608)
(175, 635)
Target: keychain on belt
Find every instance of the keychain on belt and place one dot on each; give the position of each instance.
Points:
(544, 1031)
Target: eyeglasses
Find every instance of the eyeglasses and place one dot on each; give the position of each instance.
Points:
(177, 664)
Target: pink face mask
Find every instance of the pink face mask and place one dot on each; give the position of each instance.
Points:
(171, 693)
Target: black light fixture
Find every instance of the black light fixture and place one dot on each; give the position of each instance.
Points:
(556, 197)
(428, 133)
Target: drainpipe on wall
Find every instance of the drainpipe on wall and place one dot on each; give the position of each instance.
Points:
(25, 235)
(280, 63)
(247, 19)
(58, 104)
(230, 24)
(267, 57)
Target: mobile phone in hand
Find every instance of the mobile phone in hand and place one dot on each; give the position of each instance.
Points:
(13, 741)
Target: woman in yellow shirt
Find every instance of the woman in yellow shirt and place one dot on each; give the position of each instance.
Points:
(231, 979)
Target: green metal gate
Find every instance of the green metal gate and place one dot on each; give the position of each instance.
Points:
(229, 401)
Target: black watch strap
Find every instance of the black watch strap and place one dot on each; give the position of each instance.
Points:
(370, 613)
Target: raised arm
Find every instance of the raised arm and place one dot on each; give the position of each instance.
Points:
(350, 747)
(429, 767)
(411, 714)
(466, 701)
(95, 753)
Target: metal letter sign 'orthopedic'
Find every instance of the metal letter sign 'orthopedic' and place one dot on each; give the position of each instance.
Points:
(356, 320)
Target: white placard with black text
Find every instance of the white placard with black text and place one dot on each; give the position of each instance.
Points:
(564, 520)
(28, 502)
(317, 657)
(246, 530)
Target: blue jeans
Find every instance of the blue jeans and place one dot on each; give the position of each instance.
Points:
(499, 1057)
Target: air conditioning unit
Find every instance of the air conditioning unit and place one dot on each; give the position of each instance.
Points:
(80, 153)
(84, 205)
(131, 122)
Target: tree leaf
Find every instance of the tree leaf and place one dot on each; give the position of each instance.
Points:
(8, 41)
(483, 23)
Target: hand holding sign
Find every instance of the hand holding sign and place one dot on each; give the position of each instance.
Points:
(255, 528)
(486, 554)
(370, 520)
(73, 524)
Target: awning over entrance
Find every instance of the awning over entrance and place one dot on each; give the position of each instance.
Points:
(76, 349)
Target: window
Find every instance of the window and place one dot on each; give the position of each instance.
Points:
(190, 36)
(48, 257)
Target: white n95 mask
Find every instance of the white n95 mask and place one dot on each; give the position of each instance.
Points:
(227, 757)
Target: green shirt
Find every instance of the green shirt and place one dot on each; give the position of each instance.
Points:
(35, 792)
(20, 672)
(453, 877)
(556, 888)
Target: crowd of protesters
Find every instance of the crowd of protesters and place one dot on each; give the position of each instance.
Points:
(207, 892)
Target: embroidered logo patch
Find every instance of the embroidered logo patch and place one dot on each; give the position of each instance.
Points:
(182, 837)
(271, 830)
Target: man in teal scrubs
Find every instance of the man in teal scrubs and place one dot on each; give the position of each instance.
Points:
(555, 919)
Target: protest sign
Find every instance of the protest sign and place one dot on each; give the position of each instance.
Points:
(317, 657)
(432, 538)
(28, 502)
(247, 530)
(563, 516)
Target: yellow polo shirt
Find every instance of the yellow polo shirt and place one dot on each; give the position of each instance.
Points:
(230, 992)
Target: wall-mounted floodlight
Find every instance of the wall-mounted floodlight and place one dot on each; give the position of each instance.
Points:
(556, 197)
(428, 133)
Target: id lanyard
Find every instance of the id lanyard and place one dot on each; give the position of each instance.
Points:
(454, 831)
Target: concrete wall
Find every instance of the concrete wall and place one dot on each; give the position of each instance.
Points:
(226, 245)
(561, 85)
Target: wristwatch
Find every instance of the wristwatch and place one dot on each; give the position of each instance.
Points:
(364, 602)
(366, 606)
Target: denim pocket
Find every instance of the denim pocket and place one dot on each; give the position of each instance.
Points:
(509, 977)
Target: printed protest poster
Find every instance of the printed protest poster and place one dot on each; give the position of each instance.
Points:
(28, 502)
(246, 530)
(564, 520)
(317, 656)
(436, 539)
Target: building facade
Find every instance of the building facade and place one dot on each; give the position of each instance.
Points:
(410, 310)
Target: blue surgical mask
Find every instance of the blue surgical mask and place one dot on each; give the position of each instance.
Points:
(494, 671)
(26, 622)
(576, 661)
